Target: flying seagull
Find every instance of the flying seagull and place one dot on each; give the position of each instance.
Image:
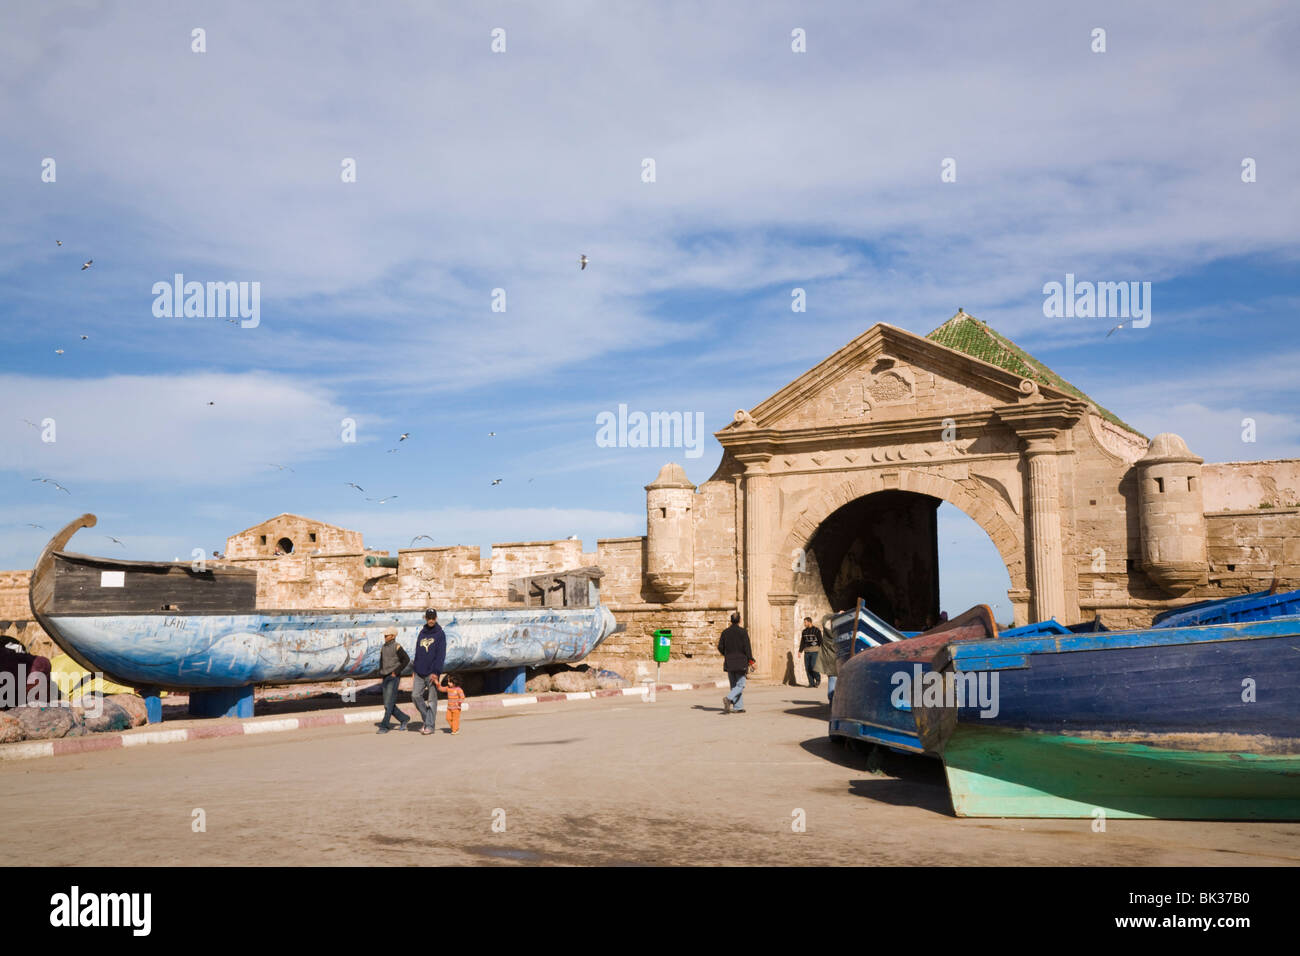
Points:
(58, 242)
(391, 450)
(32, 423)
(356, 486)
(84, 337)
(41, 526)
(417, 538)
(582, 262)
(51, 481)
(58, 351)
(271, 464)
(382, 500)
(405, 435)
(1116, 329)
(496, 481)
(212, 403)
(492, 434)
(114, 540)
(86, 265)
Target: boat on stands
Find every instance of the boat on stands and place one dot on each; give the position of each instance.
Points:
(177, 626)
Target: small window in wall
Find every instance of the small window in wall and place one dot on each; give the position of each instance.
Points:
(1191, 482)
(1092, 501)
(284, 546)
(263, 539)
(663, 512)
(1232, 567)
(1128, 565)
(312, 537)
(1160, 486)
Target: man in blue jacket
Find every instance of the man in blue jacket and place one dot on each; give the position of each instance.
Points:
(430, 656)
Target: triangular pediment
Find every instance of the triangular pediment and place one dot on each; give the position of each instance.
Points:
(887, 375)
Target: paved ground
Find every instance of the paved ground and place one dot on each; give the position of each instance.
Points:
(613, 781)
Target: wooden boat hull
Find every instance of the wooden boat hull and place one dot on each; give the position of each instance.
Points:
(867, 705)
(1260, 606)
(1178, 723)
(230, 650)
(1007, 772)
(173, 626)
(856, 630)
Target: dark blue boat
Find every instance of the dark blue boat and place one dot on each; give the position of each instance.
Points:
(873, 691)
(1197, 722)
(1260, 606)
(859, 629)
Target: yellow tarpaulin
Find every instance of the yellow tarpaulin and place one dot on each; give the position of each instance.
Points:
(73, 680)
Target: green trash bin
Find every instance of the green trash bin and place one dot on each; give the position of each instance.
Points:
(663, 644)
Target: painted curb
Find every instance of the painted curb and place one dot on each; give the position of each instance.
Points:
(29, 749)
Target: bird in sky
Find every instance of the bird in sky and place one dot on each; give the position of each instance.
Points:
(233, 321)
(382, 500)
(58, 351)
(58, 242)
(32, 423)
(391, 450)
(51, 481)
(582, 262)
(353, 484)
(114, 540)
(492, 434)
(271, 464)
(496, 481)
(84, 337)
(87, 264)
(419, 537)
(405, 435)
(41, 526)
(212, 403)
(1116, 329)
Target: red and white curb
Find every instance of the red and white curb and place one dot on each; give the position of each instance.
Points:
(273, 725)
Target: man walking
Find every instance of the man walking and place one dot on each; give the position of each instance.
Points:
(810, 642)
(737, 656)
(430, 656)
(392, 661)
(829, 663)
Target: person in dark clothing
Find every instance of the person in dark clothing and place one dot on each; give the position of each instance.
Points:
(810, 642)
(430, 657)
(392, 661)
(737, 657)
(829, 663)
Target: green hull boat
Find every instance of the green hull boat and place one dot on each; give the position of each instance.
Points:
(1005, 772)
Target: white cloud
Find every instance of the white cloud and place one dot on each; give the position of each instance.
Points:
(161, 430)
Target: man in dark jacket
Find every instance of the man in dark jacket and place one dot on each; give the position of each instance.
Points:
(737, 656)
(430, 657)
(392, 661)
(810, 642)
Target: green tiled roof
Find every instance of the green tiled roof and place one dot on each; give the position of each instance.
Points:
(967, 334)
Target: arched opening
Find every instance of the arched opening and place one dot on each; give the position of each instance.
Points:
(284, 546)
(910, 556)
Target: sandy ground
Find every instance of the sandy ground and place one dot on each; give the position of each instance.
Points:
(611, 781)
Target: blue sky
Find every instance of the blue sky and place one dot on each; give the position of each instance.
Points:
(478, 171)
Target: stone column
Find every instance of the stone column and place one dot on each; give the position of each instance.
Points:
(1045, 528)
(757, 614)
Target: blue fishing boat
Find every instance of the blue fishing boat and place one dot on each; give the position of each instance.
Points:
(858, 629)
(872, 692)
(1260, 606)
(173, 626)
(1199, 722)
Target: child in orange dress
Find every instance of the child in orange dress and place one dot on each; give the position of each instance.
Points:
(455, 695)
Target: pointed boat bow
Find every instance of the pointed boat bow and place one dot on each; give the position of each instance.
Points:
(40, 589)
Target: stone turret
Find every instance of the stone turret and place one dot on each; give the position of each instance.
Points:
(670, 532)
(1172, 514)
